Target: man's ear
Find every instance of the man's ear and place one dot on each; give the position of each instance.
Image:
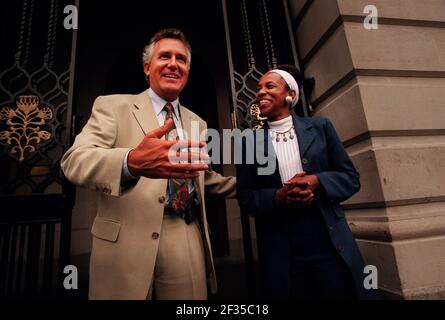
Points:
(292, 93)
(147, 69)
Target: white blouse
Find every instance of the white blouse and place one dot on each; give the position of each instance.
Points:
(285, 143)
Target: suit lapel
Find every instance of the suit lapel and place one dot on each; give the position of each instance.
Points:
(186, 121)
(144, 113)
(275, 177)
(305, 135)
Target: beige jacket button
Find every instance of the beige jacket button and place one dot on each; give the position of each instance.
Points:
(155, 235)
(161, 199)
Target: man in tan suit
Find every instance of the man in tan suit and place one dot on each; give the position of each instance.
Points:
(150, 235)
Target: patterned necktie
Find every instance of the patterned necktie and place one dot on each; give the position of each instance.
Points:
(180, 201)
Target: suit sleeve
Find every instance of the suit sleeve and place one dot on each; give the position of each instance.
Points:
(254, 200)
(219, 186)
(92, 161)
(342, 180)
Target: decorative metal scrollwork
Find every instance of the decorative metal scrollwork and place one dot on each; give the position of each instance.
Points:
(35, 102)
(260, 40)
(247, 76)
(25, 125)
(255, 112)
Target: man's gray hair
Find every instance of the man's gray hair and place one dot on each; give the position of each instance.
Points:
(147, 54)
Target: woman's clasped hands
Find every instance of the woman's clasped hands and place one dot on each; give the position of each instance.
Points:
(298, 191)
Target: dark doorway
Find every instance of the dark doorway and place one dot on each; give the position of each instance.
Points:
(111, 38)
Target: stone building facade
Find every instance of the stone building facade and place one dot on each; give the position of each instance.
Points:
(384, 89)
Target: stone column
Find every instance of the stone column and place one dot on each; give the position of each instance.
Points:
(384, 90)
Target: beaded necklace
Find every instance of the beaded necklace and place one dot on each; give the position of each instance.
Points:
(278, 136)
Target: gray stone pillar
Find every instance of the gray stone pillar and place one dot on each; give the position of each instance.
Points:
(384, 90)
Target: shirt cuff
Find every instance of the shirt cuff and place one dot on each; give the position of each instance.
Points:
(126, 175)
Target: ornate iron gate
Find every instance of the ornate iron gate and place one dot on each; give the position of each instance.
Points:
(36, 85)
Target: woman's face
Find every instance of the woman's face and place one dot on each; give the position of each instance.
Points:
(271, 94)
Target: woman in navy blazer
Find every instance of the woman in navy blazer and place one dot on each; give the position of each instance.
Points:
(305, 247)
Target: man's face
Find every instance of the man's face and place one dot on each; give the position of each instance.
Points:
(167, 70)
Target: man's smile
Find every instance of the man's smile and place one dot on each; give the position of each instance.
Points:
(170, 76)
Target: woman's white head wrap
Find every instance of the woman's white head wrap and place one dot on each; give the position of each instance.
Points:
(290, 80)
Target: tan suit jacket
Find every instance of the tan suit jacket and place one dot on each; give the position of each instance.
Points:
(128, 222)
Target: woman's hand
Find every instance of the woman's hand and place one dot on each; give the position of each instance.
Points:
(293, 197)
(302, 197)
(299, 190)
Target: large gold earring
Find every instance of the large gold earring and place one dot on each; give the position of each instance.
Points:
(255, 113)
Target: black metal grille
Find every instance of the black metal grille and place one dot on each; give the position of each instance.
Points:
(35, 130)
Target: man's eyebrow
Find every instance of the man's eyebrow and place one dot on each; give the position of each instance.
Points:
(167, 52)
(163, 52)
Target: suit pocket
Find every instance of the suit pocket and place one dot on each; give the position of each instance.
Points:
(106, 229)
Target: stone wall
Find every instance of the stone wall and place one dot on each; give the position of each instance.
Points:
(384, 90)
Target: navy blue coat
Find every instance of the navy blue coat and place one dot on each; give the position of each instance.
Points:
(323, 154)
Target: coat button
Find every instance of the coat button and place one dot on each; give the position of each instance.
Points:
(341, 249)
(155, 235)
(304, 161)
(161, 199)
(330, 228)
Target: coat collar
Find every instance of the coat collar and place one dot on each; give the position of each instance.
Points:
(305, 135)
(186, 121)
(275, 178)
(145, 115)
(144, 112)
